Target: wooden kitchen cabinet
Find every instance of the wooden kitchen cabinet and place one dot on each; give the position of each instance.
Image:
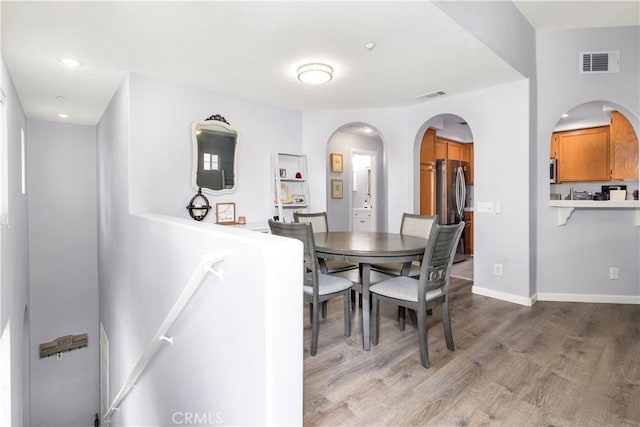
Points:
(468, 157)
(583, 155)
(455, 150)
(468, 233)
(428, 147)
(428, 188)
(623, 149)
(553, 153)
(441, 149)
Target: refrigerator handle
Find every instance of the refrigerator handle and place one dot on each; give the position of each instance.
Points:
(460, 192)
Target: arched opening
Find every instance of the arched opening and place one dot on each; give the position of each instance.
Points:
(446, 178)
(355, 179)
(593, 154)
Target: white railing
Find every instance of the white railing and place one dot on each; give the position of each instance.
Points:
(205, 267)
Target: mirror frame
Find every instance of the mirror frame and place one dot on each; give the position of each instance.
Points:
(220, 122)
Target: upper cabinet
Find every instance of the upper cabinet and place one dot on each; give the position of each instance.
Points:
(583, 155)
(624, 148)
(603, 153)
(455, 150)
(468, 157)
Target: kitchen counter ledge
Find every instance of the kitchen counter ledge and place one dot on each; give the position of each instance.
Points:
(567, 207)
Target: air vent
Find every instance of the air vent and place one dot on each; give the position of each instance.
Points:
(599, 62)
(432, 94)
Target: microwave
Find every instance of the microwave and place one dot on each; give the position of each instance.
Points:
(553, 171)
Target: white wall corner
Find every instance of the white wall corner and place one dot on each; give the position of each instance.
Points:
(516, 299)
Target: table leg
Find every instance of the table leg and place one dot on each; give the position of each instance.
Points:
(366, 309)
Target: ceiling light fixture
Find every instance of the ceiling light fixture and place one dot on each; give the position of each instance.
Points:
(60, 98)
(370, 45)
(565, 115)
(63, 115)
(315, 73)
(70, 62)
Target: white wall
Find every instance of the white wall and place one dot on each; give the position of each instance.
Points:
(498, 118)
(161, 159)
(574, 260)
(237, 353)
(14, 252)
(63, 269)
(319, 126)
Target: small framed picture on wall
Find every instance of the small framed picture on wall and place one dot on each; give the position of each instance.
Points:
(336, 163)
(336, 189)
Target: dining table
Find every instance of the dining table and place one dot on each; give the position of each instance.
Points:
(366, 248)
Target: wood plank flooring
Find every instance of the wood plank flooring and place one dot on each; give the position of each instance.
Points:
(561, 364)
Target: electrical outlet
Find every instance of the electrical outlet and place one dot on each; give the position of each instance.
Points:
(485, 207)
(613, 273)
(497, 269)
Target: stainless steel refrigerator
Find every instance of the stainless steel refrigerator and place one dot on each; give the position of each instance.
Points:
(450, 195)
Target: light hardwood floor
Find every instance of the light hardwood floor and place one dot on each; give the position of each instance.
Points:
(561, 364)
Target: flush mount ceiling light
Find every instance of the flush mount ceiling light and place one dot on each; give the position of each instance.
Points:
(70, 62)
(315, 73)
(63, 115)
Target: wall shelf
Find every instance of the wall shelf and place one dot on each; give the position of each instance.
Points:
(567, 207)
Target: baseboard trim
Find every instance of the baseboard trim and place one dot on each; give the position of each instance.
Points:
(503, 296)
(606, 299)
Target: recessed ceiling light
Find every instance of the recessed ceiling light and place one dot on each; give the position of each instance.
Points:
(60, 98)
(565, 115)
(370, 45)
(70, 62)
(315, 73)
(63, 115)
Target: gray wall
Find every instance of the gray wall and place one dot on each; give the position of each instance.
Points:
(574, 260)
(14, 258)
(63, 269)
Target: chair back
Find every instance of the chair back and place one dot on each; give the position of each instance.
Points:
(417, 225)
(304, 233)
(318, 220)
(438, 256)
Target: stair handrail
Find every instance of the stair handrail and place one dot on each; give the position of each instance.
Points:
(206, 266)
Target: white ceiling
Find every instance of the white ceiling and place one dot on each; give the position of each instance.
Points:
(247, 49)
(555, 15)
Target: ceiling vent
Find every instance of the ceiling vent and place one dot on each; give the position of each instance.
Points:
(600, 62)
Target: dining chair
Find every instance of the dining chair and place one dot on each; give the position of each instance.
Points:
(428, 291)
(412, 225)
(320, 224)
(317, 287)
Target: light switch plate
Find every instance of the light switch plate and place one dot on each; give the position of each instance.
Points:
(485, 207)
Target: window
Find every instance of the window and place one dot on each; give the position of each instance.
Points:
(210, 162)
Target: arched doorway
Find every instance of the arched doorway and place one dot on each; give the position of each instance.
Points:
(355, 190)
(447, 176)
(593, 154)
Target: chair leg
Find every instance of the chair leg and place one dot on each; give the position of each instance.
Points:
(310, 312)
(375, 320)
(324, 309)
(422, 334)
(353, 299)
(401, 314)
(412, 316)
(314, 328)
(346, 300)
(446, 324)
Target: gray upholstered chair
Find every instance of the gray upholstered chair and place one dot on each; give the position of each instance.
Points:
(412, 225)
(429, 290)
(317, 287)
(318, 221)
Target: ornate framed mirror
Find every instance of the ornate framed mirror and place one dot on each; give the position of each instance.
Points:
(215, 144)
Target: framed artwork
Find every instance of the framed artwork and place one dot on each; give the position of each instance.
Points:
(225, 213)
(336, 189)
(336, 162)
